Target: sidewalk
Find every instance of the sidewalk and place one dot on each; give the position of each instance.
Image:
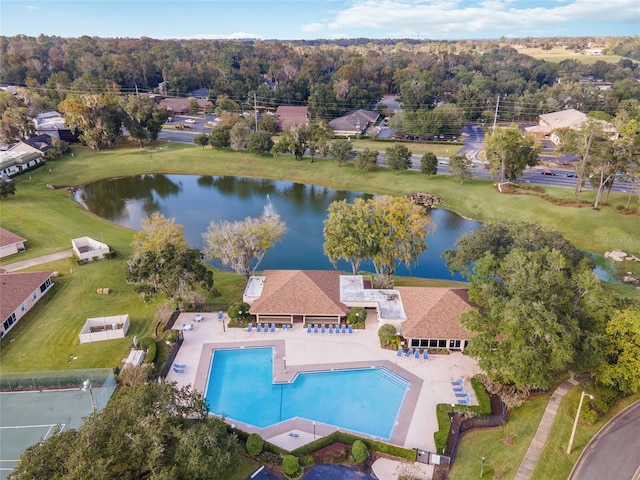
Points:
(32, 262)
(534, 451)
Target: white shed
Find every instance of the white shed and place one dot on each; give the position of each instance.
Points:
(104, 328)
(86, 248)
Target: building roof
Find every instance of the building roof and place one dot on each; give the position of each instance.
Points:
(434, 313)
(300, 292)
(9, 238)
(570, 118)
(181, 105)
(16, 288)
(41, 142)
(356, 121)
(288, 116)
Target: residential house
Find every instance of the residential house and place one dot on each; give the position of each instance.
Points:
(16, 162)
(550, 123)
(20, 292)
(52, 124)
(354, 123)
(425, 317)
(39, 145)
(288, 116)
(10, 243)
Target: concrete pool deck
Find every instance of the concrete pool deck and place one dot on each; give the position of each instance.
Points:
(308, 351)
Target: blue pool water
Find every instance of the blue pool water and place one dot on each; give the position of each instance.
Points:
(240, 387)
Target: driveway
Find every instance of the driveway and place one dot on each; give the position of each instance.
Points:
(32, 262)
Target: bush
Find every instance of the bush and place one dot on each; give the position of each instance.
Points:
(170, 336)
(441, 436)
(291, 467)
(236, 308)
(359, 451)
(387, 333)
(347, 438)
(357, 317)
(149, 344)
(255, 444)
(271, 458)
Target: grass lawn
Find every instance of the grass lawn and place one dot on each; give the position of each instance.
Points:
(246, 466)
(501, 460)
(558, 54)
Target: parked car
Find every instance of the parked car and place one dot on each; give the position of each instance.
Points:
(547, 172)
(190, 121)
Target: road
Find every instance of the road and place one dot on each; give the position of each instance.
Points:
(614, 452)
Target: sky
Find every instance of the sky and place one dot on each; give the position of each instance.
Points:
(321, 19)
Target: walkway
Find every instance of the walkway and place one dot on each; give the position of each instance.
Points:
(534, 451)
(32, 262)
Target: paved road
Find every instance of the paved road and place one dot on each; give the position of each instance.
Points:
(614, 452)
(52, 257)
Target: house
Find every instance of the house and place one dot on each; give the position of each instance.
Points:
(52, 124)
(10, 243)
(288, 116)
(353, 123)
(180, 106)
(20, 292)
(425, 317)
(572, 119)
(87, 249)
(15, 162)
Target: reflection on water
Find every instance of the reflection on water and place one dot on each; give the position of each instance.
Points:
(195, 201)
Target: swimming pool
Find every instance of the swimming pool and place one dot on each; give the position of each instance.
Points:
(240, 388)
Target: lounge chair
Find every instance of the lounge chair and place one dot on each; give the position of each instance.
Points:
(463, 401)
(425, 355)
(250, 328)
(309, 328)
(350, 329)
(399, 354)
(259, 329)
(331, 329)
(417, 354)
(458, 382)
(409, 353)
(459, 389)
(323, 329)
(315, 329)
(179, 368)
(273, 328)
(266, 328)
(462, 395)
(220, 314)
(344, 329)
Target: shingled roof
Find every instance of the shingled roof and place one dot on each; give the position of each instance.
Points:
(434, 312)
(16, 288)
(9, 238)
(300, 292)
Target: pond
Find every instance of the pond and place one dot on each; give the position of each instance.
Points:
(195, 201)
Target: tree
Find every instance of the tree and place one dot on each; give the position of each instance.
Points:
(542, 310)
(621, 368)
(509, 152)
(366, 159)
(97, 116)
(268, 123)
(260, 142)
(242, 245)
(147, 431)
(340, 151)
(346, 233)
(460, 167)
(219, 138)
(429, 164)
(143, 118)
(201, 139)
(155, 232)
(398, 157)
(239, 136)
(295, 140)
(194, 107)
(319, 136)
(15, 125)
(7, 187)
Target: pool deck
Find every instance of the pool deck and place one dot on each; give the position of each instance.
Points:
(301, 351)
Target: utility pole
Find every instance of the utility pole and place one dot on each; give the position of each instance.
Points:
(495, 115)
(255, 109)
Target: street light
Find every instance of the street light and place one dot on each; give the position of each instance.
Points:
(575, 423)
(86, 386)
(453, 406)
(482, 468)
(314, 430)
(284, 361)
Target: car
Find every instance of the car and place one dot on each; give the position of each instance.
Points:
(572, 175)
(547, 172)
(190, 121)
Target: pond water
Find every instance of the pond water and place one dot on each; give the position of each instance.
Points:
(195, 201)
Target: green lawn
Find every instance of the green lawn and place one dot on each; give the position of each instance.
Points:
(558, 54)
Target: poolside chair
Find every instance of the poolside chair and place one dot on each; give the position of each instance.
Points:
(315, 328)
(462, 395)
(458, 389)
(309, 328)
(399, 354)
(409, 353)
(425, 355)
(344, 329)
(259, 329)
(273, 328)
(350, 329)
(323, 329)
(179, 368)
(250, 328)
(458, 382)
(187, 326)
(266, 328)
(417, 354)
(463, 401)
(331, 329)
(220, 314)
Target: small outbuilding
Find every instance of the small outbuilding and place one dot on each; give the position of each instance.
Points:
(86, 248)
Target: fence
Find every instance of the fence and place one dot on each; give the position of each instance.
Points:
(206, 307)
(171, 356)
(475, 422)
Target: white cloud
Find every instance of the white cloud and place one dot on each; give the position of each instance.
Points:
(313, 27)
(434, 17)
(31, 7)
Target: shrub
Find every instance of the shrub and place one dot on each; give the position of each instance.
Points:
(255, 444)
(357, 317)
(236, 308)
(149, 344)
(307, 461)
(170, 336)
(271, 458)
(387, 333)
(359, 451)
(290, 466)
(441, 436)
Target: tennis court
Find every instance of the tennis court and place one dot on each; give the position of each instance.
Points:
(27, 416)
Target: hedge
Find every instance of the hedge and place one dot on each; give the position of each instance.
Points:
(149, 344)
(441, 436)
